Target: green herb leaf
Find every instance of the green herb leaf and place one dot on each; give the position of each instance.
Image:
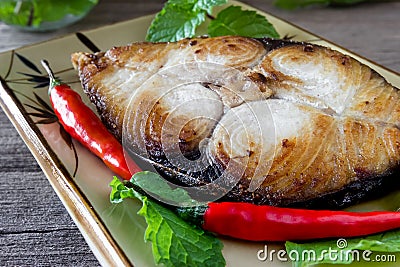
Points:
(119, 191)
(179, 19)
(235, 21)
(199, 5)
(174, 241)
(174, 23)
(155, 184)
(347, 250)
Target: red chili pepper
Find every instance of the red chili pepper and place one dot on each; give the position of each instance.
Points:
(267, 223)
(86, 127)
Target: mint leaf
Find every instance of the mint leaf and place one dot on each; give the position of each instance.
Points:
(155, 184)
(316, 253)
(387, 242)
(207, 5)
(179, 19)
(174, 23)
(176, 243)
(119, 191)
(235, 21)
(199, 5)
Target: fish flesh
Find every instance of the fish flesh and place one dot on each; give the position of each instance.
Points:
(285, 123)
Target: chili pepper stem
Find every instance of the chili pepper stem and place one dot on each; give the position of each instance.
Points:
(83, 124)
(194, 215)
(53, 80)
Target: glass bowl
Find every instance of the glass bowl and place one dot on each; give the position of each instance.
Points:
(43, 15)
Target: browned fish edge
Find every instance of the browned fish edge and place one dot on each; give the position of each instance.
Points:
(368, 186)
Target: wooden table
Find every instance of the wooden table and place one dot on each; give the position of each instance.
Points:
(35, 228)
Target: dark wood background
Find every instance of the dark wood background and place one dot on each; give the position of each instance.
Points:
(35, 228)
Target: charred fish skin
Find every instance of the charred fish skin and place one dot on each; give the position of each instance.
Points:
(336, 120)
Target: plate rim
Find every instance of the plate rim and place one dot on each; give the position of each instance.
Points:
(89, 223)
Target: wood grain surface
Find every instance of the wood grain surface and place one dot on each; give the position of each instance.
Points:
(35, 228)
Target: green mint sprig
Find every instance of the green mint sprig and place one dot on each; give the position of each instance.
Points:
(387, 242)
(235, 21)
(180, 19)
(174, 241)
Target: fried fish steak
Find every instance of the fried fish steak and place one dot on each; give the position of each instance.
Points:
(301, 124)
